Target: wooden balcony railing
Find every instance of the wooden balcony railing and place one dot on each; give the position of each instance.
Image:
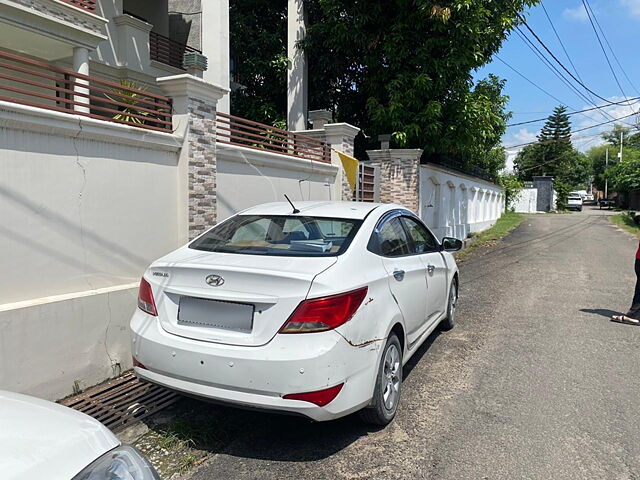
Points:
(39, 84)
(88, 5)
(168, 51)
(246, 133)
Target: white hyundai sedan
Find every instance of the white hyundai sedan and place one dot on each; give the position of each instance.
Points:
(310, 310)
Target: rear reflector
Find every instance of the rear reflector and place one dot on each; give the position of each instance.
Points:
(325, 313)
(145, 298)
(319, 398)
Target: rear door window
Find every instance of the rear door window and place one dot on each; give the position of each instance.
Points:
(392, 239)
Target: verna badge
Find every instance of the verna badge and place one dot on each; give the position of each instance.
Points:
(214, 280)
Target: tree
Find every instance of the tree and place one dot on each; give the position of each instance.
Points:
(625, 175)
(512, 186)
(405, 67)
(612, 137)
(258, 40)
(555, 155)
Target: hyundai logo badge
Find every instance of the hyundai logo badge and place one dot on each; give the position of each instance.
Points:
(214, 280)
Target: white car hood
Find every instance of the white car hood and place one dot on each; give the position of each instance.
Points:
(44, 440)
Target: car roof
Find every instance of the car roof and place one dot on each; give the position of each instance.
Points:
(351, 210)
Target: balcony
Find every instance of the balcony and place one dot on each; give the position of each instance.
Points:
(231, 130)
(167, 51)
(39, 84)
(88, 5)
(50, 29)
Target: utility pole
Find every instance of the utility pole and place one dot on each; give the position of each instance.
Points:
(606, 180)
(621, 143)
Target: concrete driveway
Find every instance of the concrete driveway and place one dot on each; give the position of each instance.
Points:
(534, 382)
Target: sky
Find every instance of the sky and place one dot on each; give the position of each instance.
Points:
(620, 21)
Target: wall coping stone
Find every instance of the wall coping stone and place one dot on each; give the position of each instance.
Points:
(38, 120)
(240, 154)
(184, 86)
(129, 21)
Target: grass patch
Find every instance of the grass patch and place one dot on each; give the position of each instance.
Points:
(625, 221)
(503, 226)
(184, 436)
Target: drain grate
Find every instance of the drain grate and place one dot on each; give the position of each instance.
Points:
(123, 401)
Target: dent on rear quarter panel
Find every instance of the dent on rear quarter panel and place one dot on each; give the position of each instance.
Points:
(369, 327)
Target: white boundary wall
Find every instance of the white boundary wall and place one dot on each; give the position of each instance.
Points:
(526, 201)
(453, 204)
(85, 205)
(247, 177)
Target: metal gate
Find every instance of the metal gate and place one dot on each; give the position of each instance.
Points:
(368, 184)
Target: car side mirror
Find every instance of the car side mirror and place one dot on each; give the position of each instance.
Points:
(450, 244)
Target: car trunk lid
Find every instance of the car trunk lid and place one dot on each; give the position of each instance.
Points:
(227, 298)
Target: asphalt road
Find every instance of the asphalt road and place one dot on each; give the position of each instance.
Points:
(534, 382)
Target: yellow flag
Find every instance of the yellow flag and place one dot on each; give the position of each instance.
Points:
(350, 166)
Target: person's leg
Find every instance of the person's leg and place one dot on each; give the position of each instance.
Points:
(634, 311)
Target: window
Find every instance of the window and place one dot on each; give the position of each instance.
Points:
(392, 239)
(423, 240)
(280, 236)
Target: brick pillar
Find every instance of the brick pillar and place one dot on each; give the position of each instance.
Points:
(194, 120)
(399, 176)
(340, 136)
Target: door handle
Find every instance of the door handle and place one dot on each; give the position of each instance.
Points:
(398, 275)
(431, 269)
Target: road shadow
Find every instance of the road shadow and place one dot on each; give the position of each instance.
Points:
(603, 312)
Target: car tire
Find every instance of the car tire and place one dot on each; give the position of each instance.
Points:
(386, 394)
(450, 320)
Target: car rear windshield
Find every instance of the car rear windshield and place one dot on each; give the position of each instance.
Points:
(291, 236)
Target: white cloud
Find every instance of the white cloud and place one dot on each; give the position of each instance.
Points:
(632, 5)
(523, 135)
(579, 13)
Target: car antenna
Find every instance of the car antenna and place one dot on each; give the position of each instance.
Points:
(295, 210)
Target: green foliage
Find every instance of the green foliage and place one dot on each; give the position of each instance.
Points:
(131, 98)
(555, 155)
(612, 137)
(512, 186)
(623, 175)
(258, 39)
(404, 67)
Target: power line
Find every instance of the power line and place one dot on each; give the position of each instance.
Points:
(552, 96)
(531, 81)
(552, 160)
(587, 8)
(539, 40)
(559, 74)
(562, 44)
(636, 99)
(613, 52)
(550, 65)
(544, 142)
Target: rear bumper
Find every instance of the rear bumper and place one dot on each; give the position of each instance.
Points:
(258, 377)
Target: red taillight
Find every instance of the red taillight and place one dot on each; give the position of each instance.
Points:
(320, 397)
(326, 313)
(136, 363)
(145, 298)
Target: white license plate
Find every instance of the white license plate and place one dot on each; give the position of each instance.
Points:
(201, 312)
